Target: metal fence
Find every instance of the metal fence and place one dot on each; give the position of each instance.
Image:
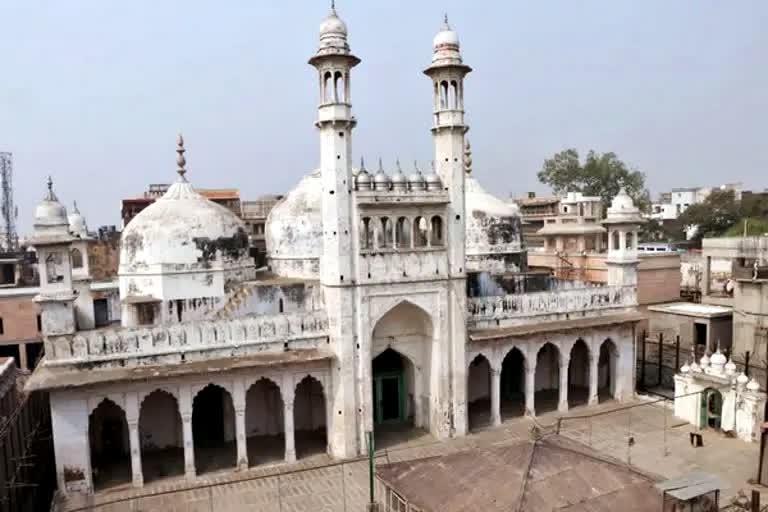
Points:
(27, 474)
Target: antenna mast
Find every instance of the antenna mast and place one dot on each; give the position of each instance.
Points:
(10, 239)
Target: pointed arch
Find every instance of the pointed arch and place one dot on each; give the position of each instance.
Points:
(310, 417)
(109, 445)
(213, 429)
(161, 435)
(547, 378)
(479, 391)
(264, 421)
(607, 363)
(578, 373)
(512, 381)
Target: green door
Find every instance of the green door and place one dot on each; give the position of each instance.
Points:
(711, 408)
(389, 397)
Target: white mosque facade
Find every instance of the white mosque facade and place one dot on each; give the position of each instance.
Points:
(390, 300)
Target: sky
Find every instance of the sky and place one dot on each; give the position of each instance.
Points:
(94, 93)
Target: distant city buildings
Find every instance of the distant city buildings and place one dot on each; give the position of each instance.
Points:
(672, 204)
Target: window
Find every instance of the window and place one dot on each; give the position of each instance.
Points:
(419, 232)
(77, 258)
(385, 233)
(52, 270)
(437, 231)
(145, 313)
(366, 233)
(39, 323)
(403, 233)
(616, 242)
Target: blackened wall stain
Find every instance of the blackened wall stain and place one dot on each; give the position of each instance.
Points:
(232, 248)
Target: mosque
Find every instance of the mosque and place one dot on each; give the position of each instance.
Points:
(390, 302)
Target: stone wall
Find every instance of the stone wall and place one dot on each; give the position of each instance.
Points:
(104, 258)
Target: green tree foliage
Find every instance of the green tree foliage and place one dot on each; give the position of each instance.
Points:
(718, 212)
(600, 175)
(755, 227)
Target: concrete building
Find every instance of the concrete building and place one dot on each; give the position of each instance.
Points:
(254, 214)
(390, 301)
(672, 204)
(534, 211)
(576, 247)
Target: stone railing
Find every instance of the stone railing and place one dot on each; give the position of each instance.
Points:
(241, 333)
(551, 302)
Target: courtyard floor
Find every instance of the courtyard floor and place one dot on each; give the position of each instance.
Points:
(659, 445)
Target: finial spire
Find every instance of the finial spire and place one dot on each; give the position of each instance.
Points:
(416, 165)
(445, 21)
(397, 164)
(333, 7)
(50, 196)
(74, 207)
(180, 160)
(362, 163)
(381, 165)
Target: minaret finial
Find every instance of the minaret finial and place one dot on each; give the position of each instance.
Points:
(397, 164)
(74, 207)
(50, 196)
(445, 21)
(416, 164)
(333, 7)
(381, 165)
(362, 163)
(180, 160)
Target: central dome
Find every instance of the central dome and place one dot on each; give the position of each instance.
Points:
(182, 228)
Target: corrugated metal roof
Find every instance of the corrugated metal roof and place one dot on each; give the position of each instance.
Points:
(532, 476)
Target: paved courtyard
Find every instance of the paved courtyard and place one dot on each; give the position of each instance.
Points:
(318, 484)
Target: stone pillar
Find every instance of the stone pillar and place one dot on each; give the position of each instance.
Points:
(23, 364)
(238, 400)
(185, 407)
(562, 405)
(622, 240)
(290, 446)
(705, 275)
(530, 389)
(495, 397)
(132, 417)
(593, 399)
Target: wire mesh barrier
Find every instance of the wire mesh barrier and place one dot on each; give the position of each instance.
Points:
(26, 456)
(658, 360)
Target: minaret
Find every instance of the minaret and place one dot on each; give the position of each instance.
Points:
(447, 73)
(335, 121)
(52, 242)
(81, 272)
(623, 221)
(333, 62)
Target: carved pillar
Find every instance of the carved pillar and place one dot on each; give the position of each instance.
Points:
(705, 275)
(530, 388)
(290, 446)
(495, 397)
(185, 406)
(562, 405)
(238, 400)
(593, 379)
(289, 393)
(132, 418)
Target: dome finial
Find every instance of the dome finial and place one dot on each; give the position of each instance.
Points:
(74, 207)
(333, 7)
(397, 164)
(50, 196)
(446, 26)
(180, 160)
(362, 163)
(381, 165)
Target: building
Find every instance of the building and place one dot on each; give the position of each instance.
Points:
(672, 204)
(228, 198)
(408, 288)
(533, 212)
(254, 214)
(576, 247)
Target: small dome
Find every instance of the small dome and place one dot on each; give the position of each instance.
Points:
(623, 210)
(399, 181)
(363, 180)
(380, 180)
(753, 385)
(446, 37)
(730, 367)
(77, 224)
(695, 368)
(742, 379)
(685, 368)
(333, 25)
(704, 361)
(718, 358)
(433, 180)
(416, 180)
(492, 226)
(51, 217)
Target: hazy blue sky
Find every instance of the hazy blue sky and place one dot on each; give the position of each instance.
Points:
(94, 92)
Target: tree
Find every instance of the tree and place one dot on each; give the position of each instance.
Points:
(714, 216)
(601, 175)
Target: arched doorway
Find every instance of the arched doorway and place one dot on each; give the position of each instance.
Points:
(162, 437)
(547, 381)
(309, 418)
(264, 425)
(402, 346)
(513, 384)
(110, 446)
(213, 429)
(711, 408)
(479, 392)
(578, 374)
(606, 371)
